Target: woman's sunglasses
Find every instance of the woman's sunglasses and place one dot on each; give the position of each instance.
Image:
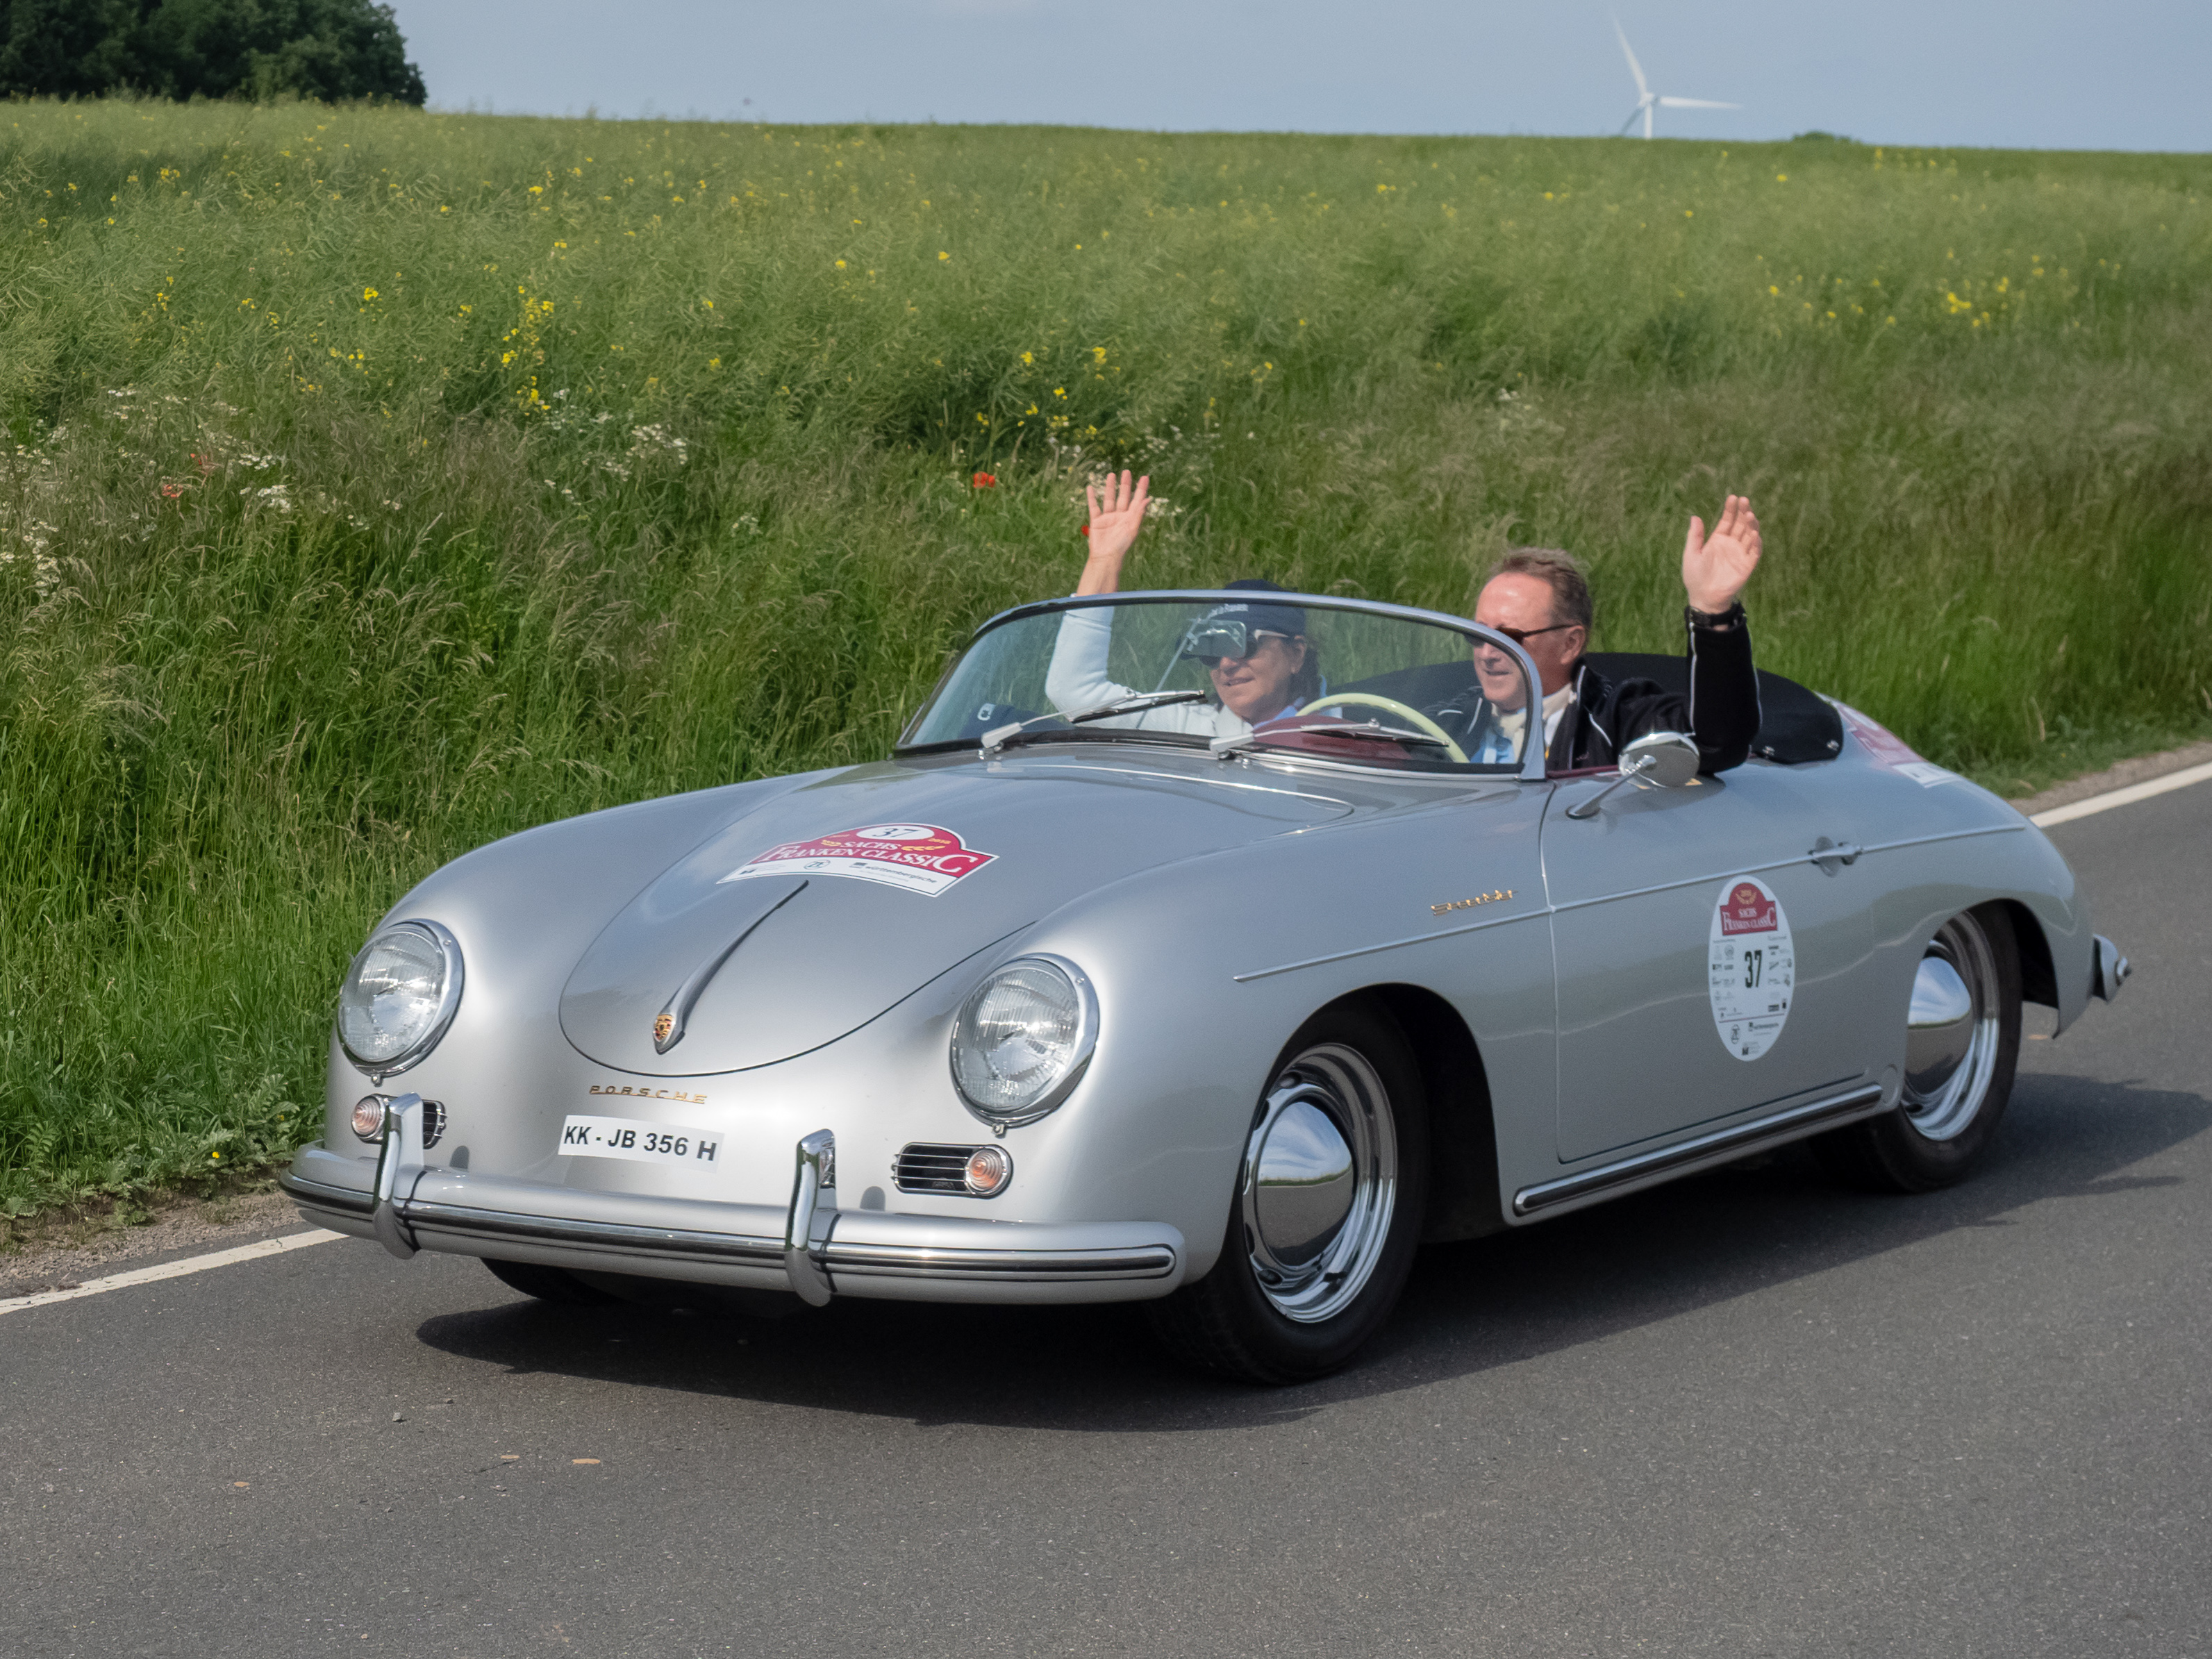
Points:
(1209, 642)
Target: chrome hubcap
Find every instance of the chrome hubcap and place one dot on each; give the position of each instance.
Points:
(1321, 1183)
(1951, 1034)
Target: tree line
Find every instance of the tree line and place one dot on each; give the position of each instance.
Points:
(257, 49)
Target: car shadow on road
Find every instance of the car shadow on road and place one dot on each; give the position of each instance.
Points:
(1470, 1306)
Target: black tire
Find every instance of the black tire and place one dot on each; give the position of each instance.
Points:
(1935, 1137)
(554, 1285)
(1230, 1322)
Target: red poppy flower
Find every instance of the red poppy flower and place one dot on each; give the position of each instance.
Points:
(985, 481)
(171, 492)
(1084, 531)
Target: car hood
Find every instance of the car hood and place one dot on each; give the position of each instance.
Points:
(806, 919)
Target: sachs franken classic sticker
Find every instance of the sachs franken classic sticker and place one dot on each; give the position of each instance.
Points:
(916, 858)
(1751, 968)
(1888, 749)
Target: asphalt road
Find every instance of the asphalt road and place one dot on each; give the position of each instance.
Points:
(1747, 1414)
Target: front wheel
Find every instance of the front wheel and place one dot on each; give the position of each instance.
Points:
(1961, 1043)
(1326, 1213)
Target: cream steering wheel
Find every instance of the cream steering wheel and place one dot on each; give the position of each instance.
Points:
(1412, 717)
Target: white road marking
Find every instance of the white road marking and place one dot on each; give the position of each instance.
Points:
(191, 1264)
(2111, 798)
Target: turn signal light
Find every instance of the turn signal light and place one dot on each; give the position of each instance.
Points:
(989, 1169)
(368, 1116)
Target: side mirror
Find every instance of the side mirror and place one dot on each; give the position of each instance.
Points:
(1666, 758)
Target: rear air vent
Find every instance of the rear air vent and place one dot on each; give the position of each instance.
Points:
(924, 1167)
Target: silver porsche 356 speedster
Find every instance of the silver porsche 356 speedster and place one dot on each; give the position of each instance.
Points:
(1091, 993)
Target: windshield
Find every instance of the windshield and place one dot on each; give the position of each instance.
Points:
(1301, 675)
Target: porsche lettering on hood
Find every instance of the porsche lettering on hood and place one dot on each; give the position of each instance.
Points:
(791, 961)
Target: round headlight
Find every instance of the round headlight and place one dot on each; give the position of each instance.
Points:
(399, 996)
(1023, 1039)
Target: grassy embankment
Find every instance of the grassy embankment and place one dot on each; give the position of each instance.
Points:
(381, 483)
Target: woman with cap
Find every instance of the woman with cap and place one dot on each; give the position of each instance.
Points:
(1261, 664)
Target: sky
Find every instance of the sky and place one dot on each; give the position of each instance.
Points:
(2121, 75)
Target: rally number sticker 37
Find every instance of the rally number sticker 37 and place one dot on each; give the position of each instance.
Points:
(639, 1142)
(919, 858)
(1751, 966)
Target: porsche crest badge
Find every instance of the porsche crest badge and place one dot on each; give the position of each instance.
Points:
(662, 1025)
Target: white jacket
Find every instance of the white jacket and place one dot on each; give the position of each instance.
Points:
(1077, 680)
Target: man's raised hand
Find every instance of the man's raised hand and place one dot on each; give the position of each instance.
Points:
(1715, 568)
(1117, 514)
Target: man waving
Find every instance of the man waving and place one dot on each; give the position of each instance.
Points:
(1539, 598)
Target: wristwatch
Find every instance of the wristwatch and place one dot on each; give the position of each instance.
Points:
(1731, 617)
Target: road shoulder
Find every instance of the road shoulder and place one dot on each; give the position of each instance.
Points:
(2141, 769)
(63, 1252)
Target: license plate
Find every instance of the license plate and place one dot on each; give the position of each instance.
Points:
(640, 1142)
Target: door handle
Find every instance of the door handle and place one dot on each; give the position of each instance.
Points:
(1832, 855)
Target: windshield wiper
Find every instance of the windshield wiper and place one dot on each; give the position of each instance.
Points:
(1000, 737)
(1373, 729)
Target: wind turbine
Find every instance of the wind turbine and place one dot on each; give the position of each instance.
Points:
(1647, 100)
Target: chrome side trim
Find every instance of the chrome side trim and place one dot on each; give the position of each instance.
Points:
(1676, 1159)
(1387, 945)
(1632, 892)
(1784, 864)
(1945, 835)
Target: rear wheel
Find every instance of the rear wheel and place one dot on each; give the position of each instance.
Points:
(1326, 1213)
(546, 1283)
(1962, 1044)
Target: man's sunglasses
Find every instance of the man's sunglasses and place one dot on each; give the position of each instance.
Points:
(1522, 635)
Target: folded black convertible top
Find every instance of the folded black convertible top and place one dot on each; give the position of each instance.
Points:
(1795, 725)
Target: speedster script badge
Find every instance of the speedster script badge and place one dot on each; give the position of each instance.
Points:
(917, 857)
(1751, 966)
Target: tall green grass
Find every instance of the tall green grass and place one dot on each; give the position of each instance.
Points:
(380, 482)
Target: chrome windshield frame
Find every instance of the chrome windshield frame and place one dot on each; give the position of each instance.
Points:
(1532, 762)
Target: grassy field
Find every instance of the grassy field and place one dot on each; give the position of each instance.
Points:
(381, 482)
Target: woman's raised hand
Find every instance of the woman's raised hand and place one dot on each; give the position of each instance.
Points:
(1117, 514)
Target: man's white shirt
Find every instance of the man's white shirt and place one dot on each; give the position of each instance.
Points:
(1501, 743)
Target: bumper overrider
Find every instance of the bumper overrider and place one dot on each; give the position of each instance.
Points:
(810, 1246)
(2108, 969)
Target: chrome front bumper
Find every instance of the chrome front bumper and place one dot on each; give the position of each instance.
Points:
(811, 1248)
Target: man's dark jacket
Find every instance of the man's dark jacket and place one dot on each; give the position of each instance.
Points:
(1720, 715)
